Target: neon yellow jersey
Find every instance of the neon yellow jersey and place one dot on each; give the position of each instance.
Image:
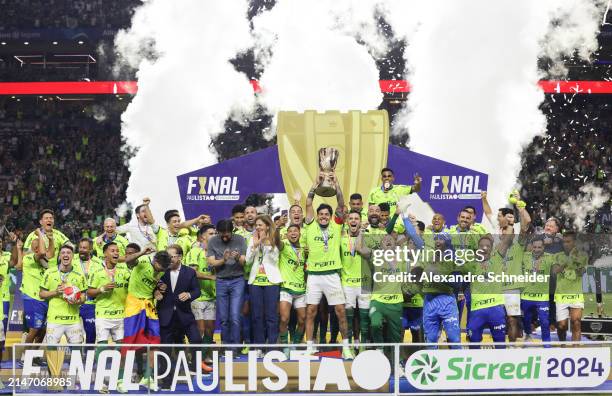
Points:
(291, 262)
(143, 279)
(120, 240)
(111, 304)
(323, 248)
(463, 240)
(479, 229)
(513, 265)
(378, 196)
(85, 268)
(5, 260)
(485, 294)
(60, 311)
(59, 239)
(569, 283)
(164, 238)
(353, 266)
(196, 258)
(537, 291)
(32, 277)
(414, 301)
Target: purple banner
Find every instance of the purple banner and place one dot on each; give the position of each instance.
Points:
(214, 190)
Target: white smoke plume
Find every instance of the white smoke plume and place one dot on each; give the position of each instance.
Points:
(311, 58)
(187, 89)
(473, 70)
(591, 198)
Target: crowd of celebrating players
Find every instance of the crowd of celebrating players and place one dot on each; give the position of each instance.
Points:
(270, 281)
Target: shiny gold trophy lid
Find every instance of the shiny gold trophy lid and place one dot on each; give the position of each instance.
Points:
(360, 139)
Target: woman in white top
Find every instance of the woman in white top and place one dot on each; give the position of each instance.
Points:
(264, 281)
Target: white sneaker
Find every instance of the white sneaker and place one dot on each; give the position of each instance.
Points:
(347, 353)
(120, 387)
(311, 350)
(148, 383)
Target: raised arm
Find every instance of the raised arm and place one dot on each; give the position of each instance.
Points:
(412, 233)
(309, 199)
(339, 199)
(136, 255)
(148, 213)
(205, 219)
(524, 216)
(486, 208)
(278, 242)
(363, 250)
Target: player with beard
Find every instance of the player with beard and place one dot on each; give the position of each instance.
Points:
(487, 300)
(203, 307)
(141, 323)
(479, 228)
(374, 224)
(110, 235)
(107, 286)
(440, 304)
(534, 296)
(46, 219)
(323, 243)
(142, 231)
(388, 296)
(356, 279)
(570, 265)
(33, 266)
(63, 316)
(84, 262)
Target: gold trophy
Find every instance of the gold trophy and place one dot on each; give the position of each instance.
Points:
(360, 139)
(328, 158)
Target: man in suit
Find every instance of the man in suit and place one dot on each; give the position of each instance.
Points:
(179, 286)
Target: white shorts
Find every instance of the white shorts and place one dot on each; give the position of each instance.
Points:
(73, 333)
(563, 309)
(512, 302)
(203, 310)
(296, 300)
(328, 285)
(355, 297)
(106, 328)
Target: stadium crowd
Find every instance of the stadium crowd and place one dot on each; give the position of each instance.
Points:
(54, 146)
(64, 14)
(154, 281)
(575, 151)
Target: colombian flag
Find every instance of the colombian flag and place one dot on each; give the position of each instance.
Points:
(141, 325)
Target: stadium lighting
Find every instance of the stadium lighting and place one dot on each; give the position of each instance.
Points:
(80, 42)
(26, 42)
(3, 43)
(55, 43)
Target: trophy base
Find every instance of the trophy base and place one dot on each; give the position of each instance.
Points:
(325, 191)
